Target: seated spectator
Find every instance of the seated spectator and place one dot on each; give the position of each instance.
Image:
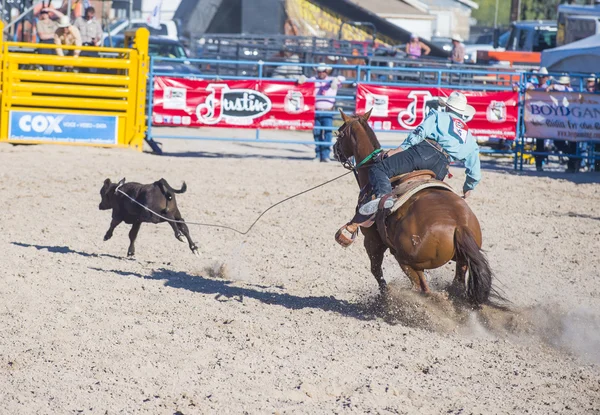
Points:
(67, 35)
(415, 47)
(590, 84)
(563, 84)
(90, 29)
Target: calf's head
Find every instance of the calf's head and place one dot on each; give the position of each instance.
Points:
(107, 193)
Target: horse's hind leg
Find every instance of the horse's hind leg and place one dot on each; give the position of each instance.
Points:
(458, 287)
(417, 278)
(376, 251)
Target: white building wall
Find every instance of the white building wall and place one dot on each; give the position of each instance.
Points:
(421, 27)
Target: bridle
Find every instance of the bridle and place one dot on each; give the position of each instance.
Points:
(347, 162)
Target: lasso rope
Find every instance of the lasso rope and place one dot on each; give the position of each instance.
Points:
(224, 226)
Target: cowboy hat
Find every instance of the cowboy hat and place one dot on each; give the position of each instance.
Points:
(457, 37)
(457, 102)
(591, 78)
(564, 80)
(323, 68)
(64, 22)
(543, 71)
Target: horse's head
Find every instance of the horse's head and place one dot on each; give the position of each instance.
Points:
(354, 138)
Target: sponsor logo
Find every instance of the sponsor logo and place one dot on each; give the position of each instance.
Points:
(294, 102)
(174, 98)
(414, 115)
(45, 124)
(496, 111)
(241, 105)
(379, 105)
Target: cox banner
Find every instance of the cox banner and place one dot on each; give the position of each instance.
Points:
(62, 127)
(404, 108)
(240, 104)
(562, 115)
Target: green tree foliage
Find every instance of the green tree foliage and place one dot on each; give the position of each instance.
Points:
(487, 10)
(539, 9)
(530, 10)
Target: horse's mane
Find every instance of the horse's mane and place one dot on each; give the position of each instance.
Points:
(370, 133)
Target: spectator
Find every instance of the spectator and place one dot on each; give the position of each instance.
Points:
(288, 71)
(543, 79)
(67, 35)
(90, 29)
(415, 47)
(563, 84)
(458, 50)
(326, 88)
(542, 84)
(45, 28)
(590, 84)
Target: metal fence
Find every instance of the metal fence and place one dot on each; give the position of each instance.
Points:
(412, 74)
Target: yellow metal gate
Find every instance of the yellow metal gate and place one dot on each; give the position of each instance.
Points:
(81, 100)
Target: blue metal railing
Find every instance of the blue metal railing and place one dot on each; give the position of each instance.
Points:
(439, 77)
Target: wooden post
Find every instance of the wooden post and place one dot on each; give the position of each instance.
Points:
(514, 10)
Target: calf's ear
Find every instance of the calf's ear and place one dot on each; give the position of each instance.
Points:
(106, 182)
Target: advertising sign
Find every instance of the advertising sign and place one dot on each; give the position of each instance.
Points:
(570, 116)
(239, 104)
(62, 127)
(404, 108)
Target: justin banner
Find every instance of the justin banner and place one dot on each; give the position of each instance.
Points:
(562, 115)
(402, 108)
(238, 104)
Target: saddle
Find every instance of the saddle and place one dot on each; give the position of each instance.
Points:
(404, 187)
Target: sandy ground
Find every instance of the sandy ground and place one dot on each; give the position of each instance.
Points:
(282, 320)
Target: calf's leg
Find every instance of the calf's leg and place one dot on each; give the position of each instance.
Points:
(113, 224)
(132, 235)
(178, 233)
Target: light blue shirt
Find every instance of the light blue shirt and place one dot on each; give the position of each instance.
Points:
(455, 138)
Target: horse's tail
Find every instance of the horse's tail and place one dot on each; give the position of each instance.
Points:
(479, 285)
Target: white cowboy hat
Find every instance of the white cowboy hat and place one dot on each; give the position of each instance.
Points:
(592, 77)
(323, 68)
(564, 80)
(457, 102)
(543, 71)
(64, 22)
(457, 37)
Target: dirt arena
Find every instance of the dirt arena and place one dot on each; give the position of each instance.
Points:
(282, 320)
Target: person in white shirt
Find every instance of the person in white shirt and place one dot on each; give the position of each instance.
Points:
(326, 88)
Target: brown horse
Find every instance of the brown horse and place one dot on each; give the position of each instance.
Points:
(434, 227)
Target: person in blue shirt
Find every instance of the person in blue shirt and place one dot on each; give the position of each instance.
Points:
(442, 137)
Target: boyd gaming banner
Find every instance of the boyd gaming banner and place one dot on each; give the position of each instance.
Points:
(404, 108)
(562, 115)
(238, 104)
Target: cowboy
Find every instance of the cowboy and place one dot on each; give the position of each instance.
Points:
(67, 35)
(458, 50)
(443, 136)
(326, 88)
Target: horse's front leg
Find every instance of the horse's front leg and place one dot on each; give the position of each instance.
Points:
(376, 250)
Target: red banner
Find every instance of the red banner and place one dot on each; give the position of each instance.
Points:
(238, 104)
(402, 108)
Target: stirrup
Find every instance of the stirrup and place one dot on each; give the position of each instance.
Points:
(344, 240)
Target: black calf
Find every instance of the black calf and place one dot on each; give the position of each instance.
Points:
(158, 196)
